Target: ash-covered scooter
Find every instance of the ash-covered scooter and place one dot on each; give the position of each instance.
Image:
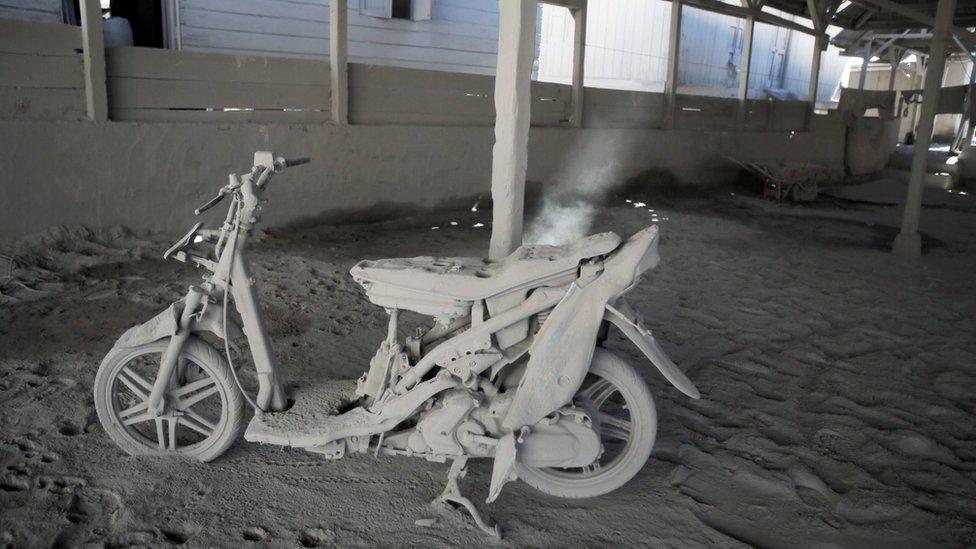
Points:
(512, 367)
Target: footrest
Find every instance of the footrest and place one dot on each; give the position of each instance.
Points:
(314, 419)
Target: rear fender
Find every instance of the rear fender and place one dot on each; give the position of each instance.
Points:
(623, 316)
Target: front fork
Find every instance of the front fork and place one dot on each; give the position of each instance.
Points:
(171, 355)
(270, 397)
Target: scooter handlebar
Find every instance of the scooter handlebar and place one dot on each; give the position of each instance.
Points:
(289, 162)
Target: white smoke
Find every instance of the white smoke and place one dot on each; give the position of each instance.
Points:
(560, 221)
(569, 204)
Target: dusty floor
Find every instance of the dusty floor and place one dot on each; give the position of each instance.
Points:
(838, 404)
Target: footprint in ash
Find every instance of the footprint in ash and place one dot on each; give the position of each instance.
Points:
(255, 533)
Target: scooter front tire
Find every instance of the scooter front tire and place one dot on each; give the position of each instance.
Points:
(208, 425)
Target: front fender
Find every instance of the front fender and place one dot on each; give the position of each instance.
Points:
(624, 317)
(167, 322)
(162, 325)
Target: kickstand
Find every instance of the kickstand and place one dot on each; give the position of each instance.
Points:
(452, 494)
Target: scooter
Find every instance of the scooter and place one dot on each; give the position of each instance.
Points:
(512, 367)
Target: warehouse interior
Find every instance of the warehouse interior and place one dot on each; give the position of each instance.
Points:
(800, 172)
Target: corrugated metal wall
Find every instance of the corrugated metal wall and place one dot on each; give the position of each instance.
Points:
(621, 52)
(627, 48)
(711, 53)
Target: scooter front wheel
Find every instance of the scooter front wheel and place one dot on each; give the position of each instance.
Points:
(203, 408)
(623, 412)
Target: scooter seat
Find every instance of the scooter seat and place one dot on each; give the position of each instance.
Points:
(467, 279)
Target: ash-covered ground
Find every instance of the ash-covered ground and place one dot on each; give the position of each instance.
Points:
(838, 405)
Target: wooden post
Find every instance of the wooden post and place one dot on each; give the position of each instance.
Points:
(818, 47)
(513, 100)
(744, 71)
(338, 67)
(93, 44)
(894, 58)
(917, 80)
(908, 243)
(864, 71)
(817, 17)
(963, 128)
(579, 53)
(674, 47)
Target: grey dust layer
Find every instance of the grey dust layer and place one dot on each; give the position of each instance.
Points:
(511, 367)
(836, 381)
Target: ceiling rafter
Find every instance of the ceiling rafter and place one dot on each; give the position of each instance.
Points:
(907, 12)
(757, 13)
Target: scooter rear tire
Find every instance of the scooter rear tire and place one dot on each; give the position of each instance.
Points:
(574, 484)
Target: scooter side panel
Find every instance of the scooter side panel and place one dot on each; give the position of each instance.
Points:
(563, 348)
(559, 358)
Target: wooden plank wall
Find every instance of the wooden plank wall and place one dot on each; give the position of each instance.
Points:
(764, 115)
(155, 84)
(622, 109)
(695, 112)
(42, 11)
(41, 71)
(393, 95)
(41, 76)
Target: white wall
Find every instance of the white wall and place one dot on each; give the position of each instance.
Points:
(461, 35)
(626, 44)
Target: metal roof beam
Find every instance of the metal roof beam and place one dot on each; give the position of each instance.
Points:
(758, 14)
(570, 4)
(925, 19)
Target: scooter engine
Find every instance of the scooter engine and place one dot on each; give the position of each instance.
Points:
(440, 429)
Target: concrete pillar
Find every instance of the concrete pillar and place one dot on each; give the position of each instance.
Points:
(338, 66)
(908, 243)
(93, 44)
(744, 70)
(579, 56)
(674, 48)
(516, 50)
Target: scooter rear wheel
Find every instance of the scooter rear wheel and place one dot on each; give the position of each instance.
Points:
(203, 412)
(622, 409)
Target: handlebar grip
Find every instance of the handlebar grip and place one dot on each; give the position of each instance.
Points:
(213, 202)
(289, 162)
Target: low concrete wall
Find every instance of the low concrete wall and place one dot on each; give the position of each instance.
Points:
(151, 175)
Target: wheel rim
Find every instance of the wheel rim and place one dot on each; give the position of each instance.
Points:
(609, 409)
(195, 405)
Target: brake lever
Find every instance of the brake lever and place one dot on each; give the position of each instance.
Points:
(234, 184)
(213, 202)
